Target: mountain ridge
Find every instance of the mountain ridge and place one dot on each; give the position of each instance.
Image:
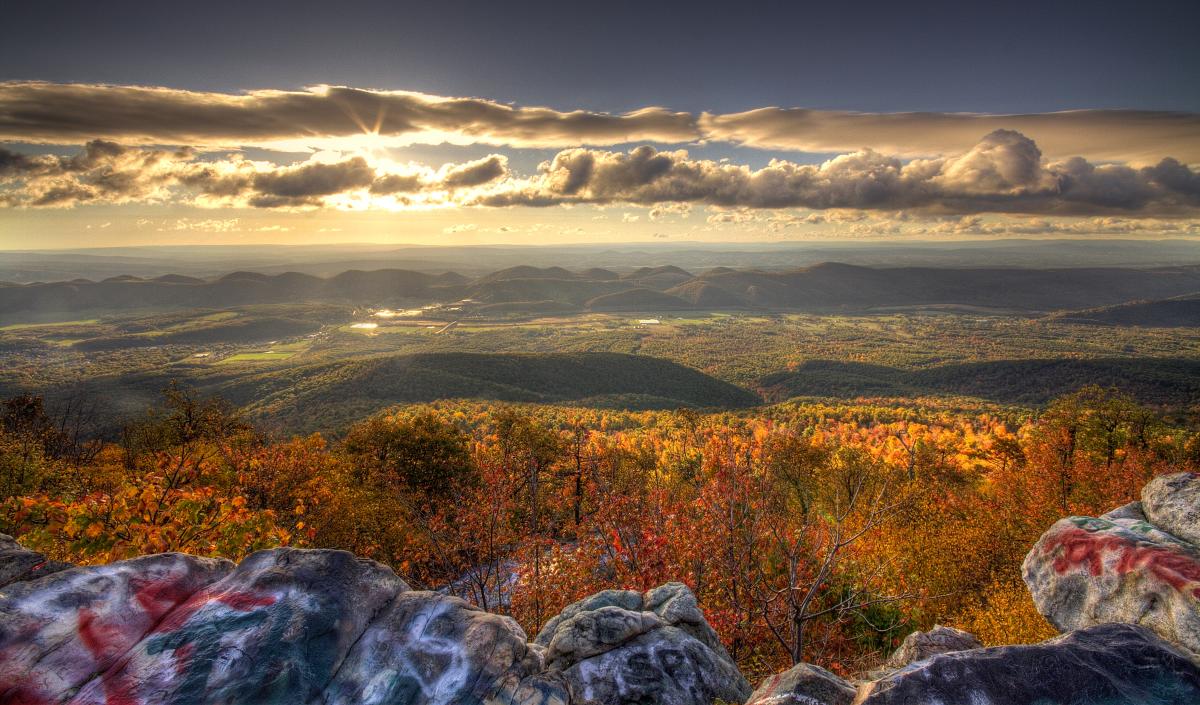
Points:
(824, 287)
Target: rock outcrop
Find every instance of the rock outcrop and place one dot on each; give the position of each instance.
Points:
(621, 647)
(1112, 663)
(919, 646)
(1172, 503)
(322, 627)
(18, 563)
(803, 684)
(1136, 564)
(285, 626)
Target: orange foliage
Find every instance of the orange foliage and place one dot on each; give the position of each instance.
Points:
(525, 509)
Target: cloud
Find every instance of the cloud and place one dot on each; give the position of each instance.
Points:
(72, 113)
(899, 223)
(102, 171)
(1135, 136)
(337, 116)
(108, 173)
(476, 173)
(1004, 172)
(303, 185)
(1100, 225)
(396, 183)
(668, 210)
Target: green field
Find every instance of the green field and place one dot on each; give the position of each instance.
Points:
(257, 356)
(55, 324)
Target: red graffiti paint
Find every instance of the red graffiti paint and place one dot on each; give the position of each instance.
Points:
(159, 597)
(240, 601)
(183, 659)
(245, 601)
(768, 690)
(1082, 549)
(106, 642)
(109, 639)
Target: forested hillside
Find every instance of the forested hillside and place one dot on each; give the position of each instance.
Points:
(890, 518)
(1182, 312)
(333, 395)
(1166, 382)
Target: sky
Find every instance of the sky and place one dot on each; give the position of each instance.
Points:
(469, 122)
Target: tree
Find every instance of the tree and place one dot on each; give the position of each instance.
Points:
(419, 454)
(529, 448)
(808, 518)
(166, 488)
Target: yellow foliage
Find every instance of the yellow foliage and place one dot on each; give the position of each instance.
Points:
(1004, 613)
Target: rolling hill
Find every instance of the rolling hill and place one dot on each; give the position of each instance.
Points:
(639, 299)
(1182, 312)
(328, 395)
(832, 286)
(247, 330)
(1166, 381)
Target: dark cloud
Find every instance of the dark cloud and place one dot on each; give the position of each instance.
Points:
(71, 113)
(13, 163)
(1139, 136)
(396, 183)
(54, 113)
(1176, 177)
(476, 173)
(319, 179)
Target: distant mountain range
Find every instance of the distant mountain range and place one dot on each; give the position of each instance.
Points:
(208, 261)
(827, 287)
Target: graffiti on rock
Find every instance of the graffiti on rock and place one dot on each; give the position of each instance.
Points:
(1091, 545)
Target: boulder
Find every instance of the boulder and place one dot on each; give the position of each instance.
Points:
(1172, 503)
(285, 626)
(1111, 664)
(622, 647)
(18, 563)
(275, 629)
(803, 684)
(1123, 567)
(919, 646)
(58, 632)
(427, 647)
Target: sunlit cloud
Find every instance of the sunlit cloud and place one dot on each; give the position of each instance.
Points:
(370, 122)
(1004, 172)
(337, 117)
(1134, 136)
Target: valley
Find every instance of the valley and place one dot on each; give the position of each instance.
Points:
(361, 341)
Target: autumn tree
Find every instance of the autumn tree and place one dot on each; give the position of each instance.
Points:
(527, 449)
(165, 488)
(817, 514)
(419, 454)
